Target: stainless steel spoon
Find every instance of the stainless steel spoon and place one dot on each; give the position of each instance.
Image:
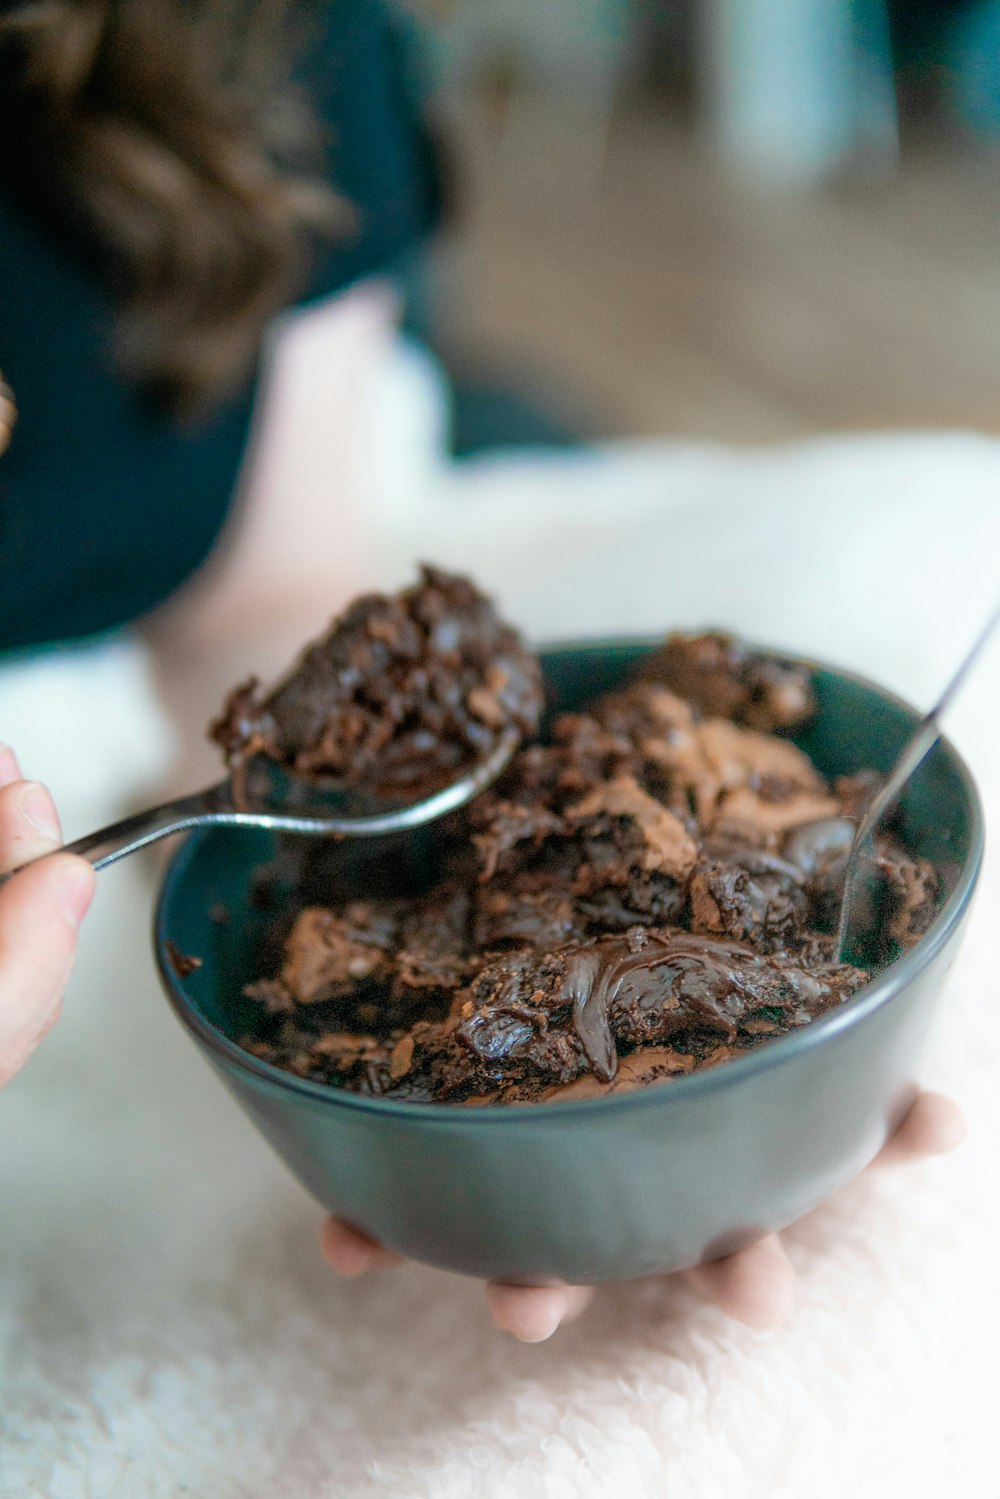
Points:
(854, 907)
(216, 807)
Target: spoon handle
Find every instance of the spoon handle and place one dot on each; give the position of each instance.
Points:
(108, 845)
(114, 842)
(920, 743)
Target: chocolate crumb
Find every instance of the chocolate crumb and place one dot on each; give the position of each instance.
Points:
(183, 964)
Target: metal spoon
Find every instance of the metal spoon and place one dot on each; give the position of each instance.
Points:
(853, 907)
(216, 807)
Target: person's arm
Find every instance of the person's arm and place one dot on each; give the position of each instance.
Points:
(298, 544)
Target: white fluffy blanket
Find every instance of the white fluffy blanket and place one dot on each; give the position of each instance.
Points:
(166, 1324)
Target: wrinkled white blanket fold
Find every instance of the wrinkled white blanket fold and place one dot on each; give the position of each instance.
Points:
(166, 1324)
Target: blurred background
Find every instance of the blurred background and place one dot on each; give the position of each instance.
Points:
(746, 220)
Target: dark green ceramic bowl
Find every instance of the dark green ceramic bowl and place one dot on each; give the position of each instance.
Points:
(614, 1187)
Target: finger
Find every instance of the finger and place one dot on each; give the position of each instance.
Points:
(29, 824)
(756, 1285)
(352, 1252)
(532, 1313)
(933, 1126)
(9, 768)
(40, 912)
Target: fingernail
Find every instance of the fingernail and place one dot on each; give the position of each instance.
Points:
(545, 1326)
(76, 891)
(36, 807)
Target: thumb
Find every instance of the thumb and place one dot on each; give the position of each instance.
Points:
(40, 912)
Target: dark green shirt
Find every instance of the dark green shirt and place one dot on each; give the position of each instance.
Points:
(106, 506)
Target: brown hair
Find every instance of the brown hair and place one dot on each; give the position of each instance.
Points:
(169, 136)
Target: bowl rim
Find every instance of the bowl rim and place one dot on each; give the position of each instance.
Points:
(777, 1052)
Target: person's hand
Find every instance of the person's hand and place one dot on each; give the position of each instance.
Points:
(40, 911)
(755, 1286)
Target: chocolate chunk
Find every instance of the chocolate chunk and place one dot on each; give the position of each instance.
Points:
(741, 891)
(511, 828)
(528, 912)
(329, 956)
(724, 677)
(820, 850)
(430, 961)
(665, 845)
(183, 964)
(911, 891)
(583, 1002)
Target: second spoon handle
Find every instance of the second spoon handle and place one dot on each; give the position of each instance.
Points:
(917, 746)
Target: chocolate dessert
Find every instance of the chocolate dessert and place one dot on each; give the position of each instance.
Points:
(403, 695)
(650, 891)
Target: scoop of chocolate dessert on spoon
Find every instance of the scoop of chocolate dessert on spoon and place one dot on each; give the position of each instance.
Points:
(858, 912)
(419, 698)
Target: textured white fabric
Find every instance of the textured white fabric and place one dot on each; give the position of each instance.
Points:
(166, 1324)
